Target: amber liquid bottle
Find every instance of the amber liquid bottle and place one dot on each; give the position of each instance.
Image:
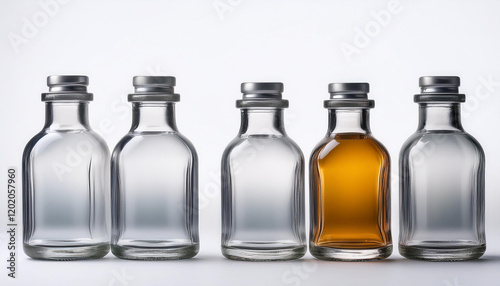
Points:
(350, 183)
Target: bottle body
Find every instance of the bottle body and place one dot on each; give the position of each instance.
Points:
(442, 189)
(66, 188)
(154, 199)
(154, 172)
(263, 199)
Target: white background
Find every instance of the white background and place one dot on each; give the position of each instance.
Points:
(213, 46)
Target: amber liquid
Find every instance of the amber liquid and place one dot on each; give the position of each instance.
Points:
(350, 193)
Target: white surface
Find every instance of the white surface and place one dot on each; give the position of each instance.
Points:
(213, 269)
(296, 42)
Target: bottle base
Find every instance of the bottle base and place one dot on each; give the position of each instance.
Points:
(263, 254)
(155, 253)
(63, 253)
(435, 253)
(353, 254)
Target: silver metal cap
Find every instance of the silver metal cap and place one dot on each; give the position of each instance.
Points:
(67, 87)
(262, 94)
(154, 88)
(439, 89)
(349, 95)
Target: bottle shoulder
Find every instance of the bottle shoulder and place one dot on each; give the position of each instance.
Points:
(348, 143)
(49, 140)
(163, 142)
(281, 145)
(446, 141)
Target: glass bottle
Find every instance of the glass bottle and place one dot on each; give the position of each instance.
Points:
(262, 182)
(66, 178)
(442, 180)
(154, 171)
(350, 183)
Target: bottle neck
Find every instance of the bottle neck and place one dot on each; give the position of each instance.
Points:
(348, 121)
(153, 117)
(439, 116)
(66, 115)
(262, 122)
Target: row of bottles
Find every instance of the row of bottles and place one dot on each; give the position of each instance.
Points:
(153, 176)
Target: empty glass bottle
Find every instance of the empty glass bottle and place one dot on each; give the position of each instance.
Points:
(262, 182)
(154, 172)
(442, 180)
(350, 183)
(66, 178)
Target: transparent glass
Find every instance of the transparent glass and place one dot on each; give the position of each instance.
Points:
(66, 187)
(154, 172)
(350, 191)
(442, 189)
(263, 191)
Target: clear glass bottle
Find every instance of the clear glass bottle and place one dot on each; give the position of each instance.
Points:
(442, 180)
(66, 179)
(262, 182)
(350, 182)
(154, 172)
